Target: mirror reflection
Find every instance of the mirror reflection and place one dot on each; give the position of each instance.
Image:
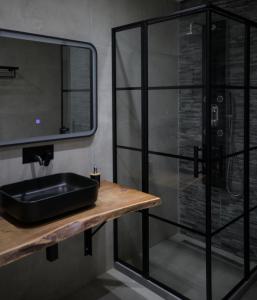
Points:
(45, 89)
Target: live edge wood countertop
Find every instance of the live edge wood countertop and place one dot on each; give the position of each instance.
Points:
(18, 241)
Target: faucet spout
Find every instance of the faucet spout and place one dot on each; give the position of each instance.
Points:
(39, 160)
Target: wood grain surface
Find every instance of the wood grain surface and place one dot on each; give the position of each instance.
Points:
(17, 241)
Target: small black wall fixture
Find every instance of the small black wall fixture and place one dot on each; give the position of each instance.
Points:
(52, 252)
(88, 241)
(8, 72)
(42, 154)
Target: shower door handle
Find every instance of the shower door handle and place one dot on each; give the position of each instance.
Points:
(196, 160)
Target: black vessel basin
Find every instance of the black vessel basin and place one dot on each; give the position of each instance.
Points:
(46, 197)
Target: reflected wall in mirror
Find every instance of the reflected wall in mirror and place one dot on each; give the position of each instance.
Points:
(47, 88)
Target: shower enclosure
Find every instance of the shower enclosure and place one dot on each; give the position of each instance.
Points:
(185, 129)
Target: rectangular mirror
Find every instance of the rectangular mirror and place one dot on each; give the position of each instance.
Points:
(47, 88)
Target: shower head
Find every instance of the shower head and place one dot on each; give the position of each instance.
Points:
(190, 31)
(193, 25)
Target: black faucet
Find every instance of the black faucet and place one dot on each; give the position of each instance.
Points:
(42, 154)
(39, 159)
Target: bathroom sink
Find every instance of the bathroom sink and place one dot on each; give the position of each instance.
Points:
(46, 197)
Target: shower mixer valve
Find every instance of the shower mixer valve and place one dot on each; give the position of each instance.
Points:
(214, 115)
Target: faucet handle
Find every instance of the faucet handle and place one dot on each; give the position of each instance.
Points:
(47, 158)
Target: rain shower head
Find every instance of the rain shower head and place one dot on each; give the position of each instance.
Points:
(194, 26)
(190, 31)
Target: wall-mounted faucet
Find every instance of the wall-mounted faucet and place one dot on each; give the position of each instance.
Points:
(42, 154)
(39, 159)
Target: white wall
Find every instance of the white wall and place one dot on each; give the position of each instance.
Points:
(91, 21)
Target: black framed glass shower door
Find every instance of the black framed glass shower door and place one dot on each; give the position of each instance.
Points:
(181, 87)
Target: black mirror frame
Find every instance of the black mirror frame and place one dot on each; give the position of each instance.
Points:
(65, 42)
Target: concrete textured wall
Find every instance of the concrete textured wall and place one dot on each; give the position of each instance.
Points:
(91, 21)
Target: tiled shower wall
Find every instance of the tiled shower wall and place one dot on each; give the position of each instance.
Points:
(192, 192)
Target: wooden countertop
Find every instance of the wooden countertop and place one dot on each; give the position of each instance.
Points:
(17, 241)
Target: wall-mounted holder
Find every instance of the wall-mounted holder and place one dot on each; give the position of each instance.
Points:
(88, 241)
(52, 252)
(8, 72)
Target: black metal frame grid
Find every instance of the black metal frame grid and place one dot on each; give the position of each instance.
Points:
(207, 89)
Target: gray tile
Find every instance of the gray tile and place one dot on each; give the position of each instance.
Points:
(251, 294)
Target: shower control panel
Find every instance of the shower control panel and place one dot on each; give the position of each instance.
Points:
(218, 105)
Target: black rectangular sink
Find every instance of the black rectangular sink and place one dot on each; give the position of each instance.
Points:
(46, 197)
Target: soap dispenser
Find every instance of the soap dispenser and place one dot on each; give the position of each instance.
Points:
(96, 175)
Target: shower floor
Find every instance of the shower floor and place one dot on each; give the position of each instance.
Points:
(181, 266)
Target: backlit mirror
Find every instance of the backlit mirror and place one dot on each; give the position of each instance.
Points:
(47, 88)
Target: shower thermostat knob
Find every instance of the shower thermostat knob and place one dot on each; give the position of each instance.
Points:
(220, 99)
(220, 132)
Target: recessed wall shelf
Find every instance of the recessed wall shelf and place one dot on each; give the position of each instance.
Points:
(8, 72)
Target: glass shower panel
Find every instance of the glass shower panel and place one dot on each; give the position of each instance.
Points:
(177, 259)
(129, 168)
(227, 120)
(130, 226)
(182, 195)
(128, 58)
(130, 240)
(234, 116)
(227, 259)
(128, 130)
(227, 197)
(128, 106)
(253, 57)
(228, 41)
(175, 121)
(253, 128)
(253, 238)
(164, 182)
(253, 148)
(163, 54)
(163, 121)
(176, 52)
(253, 179)
(190, 127)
